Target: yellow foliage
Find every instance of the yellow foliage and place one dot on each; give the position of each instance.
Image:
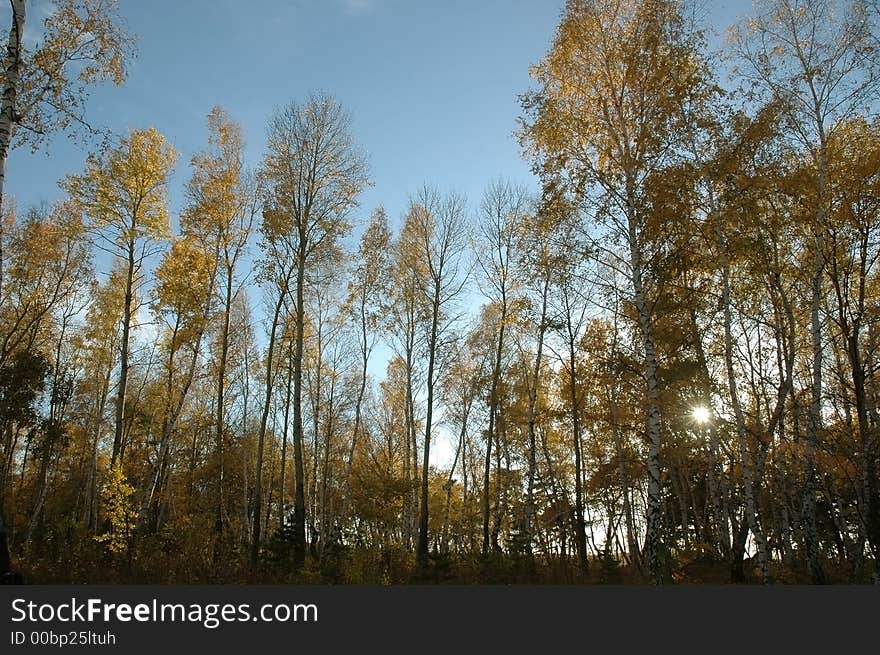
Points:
(116, 497)
(123, 190)
(217, 192)
(82, 42)
(183, 282)
(614, 86)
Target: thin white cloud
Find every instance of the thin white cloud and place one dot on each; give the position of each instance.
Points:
(358, 6)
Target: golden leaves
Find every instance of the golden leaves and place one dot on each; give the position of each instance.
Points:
(614, 86)
(83, 43)
(116, 497)
(217, 193)
(123, 190)
(183, 281)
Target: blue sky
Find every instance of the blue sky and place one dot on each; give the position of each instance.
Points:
(431, 86)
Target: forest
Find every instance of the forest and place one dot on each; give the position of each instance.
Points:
(659, 365)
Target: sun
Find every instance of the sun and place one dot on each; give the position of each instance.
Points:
(701, 414)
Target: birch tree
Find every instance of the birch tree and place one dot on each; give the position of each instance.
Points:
(314, 173)
(222, 202)
(501, 210)
(45, 86)
(123, 191)
(819, 59)
(616, 91)
(367, 290)
(407, 313)
(441, 230)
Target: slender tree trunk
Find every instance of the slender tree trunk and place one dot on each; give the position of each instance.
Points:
(57, 404)
(220, 403)
(503, 445)
(449, 480)
(8, 118)
(153, 502)
(493, 412)
(91, 515)
(118, 442)
(498, 514)
(316, 400)
(271, 490)
(869, 501)
(745, 455)
(579, 527)
(172, 411)
(653, 537)
(532, 416)
(814, 425)
(325, 471)
(42, 489)
(299, 498)
(365, 358)
(261, 439)
(245, 533)
(632, 543)
(410, 468)
(422, 548)
(287, 393)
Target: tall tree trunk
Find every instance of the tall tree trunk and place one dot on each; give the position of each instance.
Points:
(422, 547)
(869, 501)
(579, 526)
(8, 115)
(449, 480)
(498, 514)
(532, 416)
(814, 425)
(745, 455)
(287, 393)
(410, 468)
(261, 439)
(152, 501)
(325, 471)
(118, 442)
(493, 412)
(653, 538)
(299, 496)
(90, 518)
(365, 358)
(220, 403)
(632, 544)
(315, 389)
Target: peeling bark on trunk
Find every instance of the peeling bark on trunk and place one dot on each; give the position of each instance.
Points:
(12, 77)
(653, 538)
